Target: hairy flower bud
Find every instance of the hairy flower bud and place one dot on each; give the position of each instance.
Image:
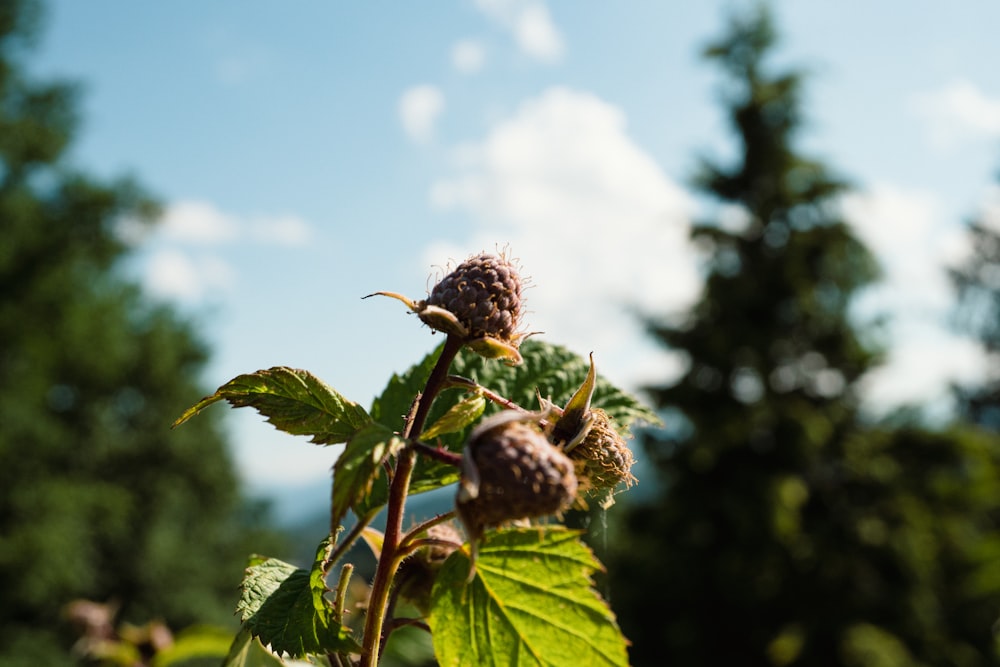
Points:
(601, 457)
(602, 460)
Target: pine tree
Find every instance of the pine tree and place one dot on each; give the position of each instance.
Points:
(99, 499)
(977, 282)
(786, 530)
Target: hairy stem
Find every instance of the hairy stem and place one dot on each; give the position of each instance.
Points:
(388, 562)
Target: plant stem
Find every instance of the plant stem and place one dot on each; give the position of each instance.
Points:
(341, 595)
(388, 563)
(437, 453)
(471, 385)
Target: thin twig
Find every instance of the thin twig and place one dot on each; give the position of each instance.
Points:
(437, 453)
(419, 543)
(472, 385)
(424, 526)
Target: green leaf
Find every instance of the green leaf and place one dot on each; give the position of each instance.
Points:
(551, 370)
(459, 416)
(247, 651)
(286, 608)
(294, 401)
(530, 602)
(556, 373)
(359, 465)
(201, 641)
(393, 404)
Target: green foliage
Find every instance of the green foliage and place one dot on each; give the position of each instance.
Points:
(788, 531)
(358, 467)
(529, 602)
(294, 401)
(98, 499)
(248, 651)
(531, 594)
(286, 608)
(196, 642)
(459, 416)
(979, 317)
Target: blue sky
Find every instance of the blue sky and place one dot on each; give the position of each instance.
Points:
(309, 157)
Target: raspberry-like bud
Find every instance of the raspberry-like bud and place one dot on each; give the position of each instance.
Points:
(480, 302)
(510, 471)
(418, 572)
(602, 460)
(484, 295)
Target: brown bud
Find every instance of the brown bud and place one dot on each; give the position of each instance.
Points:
(510, 471)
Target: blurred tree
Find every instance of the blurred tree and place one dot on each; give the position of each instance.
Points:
(977, 281)
(99, 498)
(786, 531)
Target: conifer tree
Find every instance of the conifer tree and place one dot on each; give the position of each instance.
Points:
(977, 281)
(99, 499)
(786, 530)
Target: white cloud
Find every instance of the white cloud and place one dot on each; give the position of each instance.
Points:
(959, 112)
(198, 222)
(195, 222)
(989, 208)
(468, 56)
(904, 230)
(920, 366)
(173, 274)
(419, 109)
(596, 223)
(286, 230)
(531, 26)
(188, 246)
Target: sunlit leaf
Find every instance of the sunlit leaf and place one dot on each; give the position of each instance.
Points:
(457, 418)
(294, 401)
(556, 373)
(530, 602)
(196, 642)
(550, 370)
(287, 609)
(375, 539)
(247, 651)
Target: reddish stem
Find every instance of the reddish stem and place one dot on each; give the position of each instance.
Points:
(388, 562)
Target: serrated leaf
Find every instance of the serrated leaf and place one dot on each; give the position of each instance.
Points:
(530, 602)
(294, 401)
(287, 609)
(457, 418)
(359, 465)
(556, 373)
